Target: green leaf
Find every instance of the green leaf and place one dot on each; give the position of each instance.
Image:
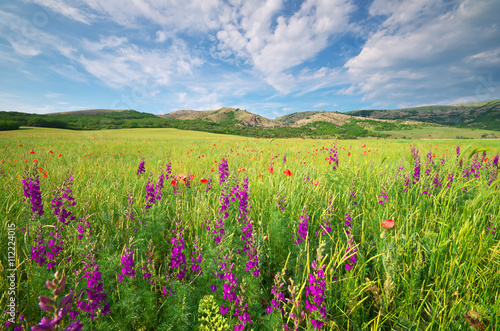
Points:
(495, 183)
(477, 150)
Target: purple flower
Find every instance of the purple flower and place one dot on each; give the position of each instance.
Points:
(303, 226)
(141, 168)
(64, 199)
(316, 324)
(223, 171)
(223, 310)
(127, 261)
(31, 189)
(351, 245)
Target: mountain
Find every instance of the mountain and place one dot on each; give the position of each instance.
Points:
(225, 116)
(478, 115)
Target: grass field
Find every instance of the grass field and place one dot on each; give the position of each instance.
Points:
(216, 232)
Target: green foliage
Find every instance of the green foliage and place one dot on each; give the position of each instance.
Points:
(210, 317)
(9, 125)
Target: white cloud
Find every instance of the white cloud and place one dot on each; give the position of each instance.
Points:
(69, 72)
(422, 48)
(273, 43)
(64, 9)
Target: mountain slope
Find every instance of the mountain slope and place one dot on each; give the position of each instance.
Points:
(227, 116)
(480, 115)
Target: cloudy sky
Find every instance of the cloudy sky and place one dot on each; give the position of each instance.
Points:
(270, 57)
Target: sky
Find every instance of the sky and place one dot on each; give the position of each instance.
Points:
(270, 57)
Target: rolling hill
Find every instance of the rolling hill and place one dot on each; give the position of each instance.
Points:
(479, 115)
(457, 120)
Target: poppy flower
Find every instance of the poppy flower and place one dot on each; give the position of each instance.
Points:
(32, 152)
(241, 169)
(173, 182)
(316, 183)
(259, 175)
(388, 224)
(59, 155)
(212, 170)
(35, 161)
(486, 159)
(203, 180)
(182, 177)
(40, 169)
(270, 169)
(51, 152)
(45, 174)
(192, 176)
(287, 172)
(349, 154)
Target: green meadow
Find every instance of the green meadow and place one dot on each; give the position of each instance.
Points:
(294, 234)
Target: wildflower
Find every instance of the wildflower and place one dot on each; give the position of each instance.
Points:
(31, 189)
(259, 175)
(315, 183)
(287, 172)
(203, 180)
(223, 171)
(191, 176)
(270, 169)
(127, 261)
(351, 246)
(388, 224)
(51, 152)
(303, 226)
(173, 182)
(241, 169)
(141, 168)
(59, 310)
(91, 297)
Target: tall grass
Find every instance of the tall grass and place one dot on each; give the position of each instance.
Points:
(438, 268)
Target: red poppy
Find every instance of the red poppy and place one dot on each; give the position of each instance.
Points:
(60, 155)
(173, 182)
(241, 169)
(3, 161)
(270, 169)
(20, 145)
(212, 170)
(388, 224)
(45, 174)
(287, 172)
(35, 161)
(51, 152)
(259, 175)
(203, 180)
(349, 154)
(182, 177)
(192, 176)
(40, 169)
(32, 152)
(433, 154)
(486, 159)
(316, 183)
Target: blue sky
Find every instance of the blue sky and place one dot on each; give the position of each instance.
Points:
(270, 57)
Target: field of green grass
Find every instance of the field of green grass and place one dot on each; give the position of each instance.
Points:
(443, 132)
(162, 229)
